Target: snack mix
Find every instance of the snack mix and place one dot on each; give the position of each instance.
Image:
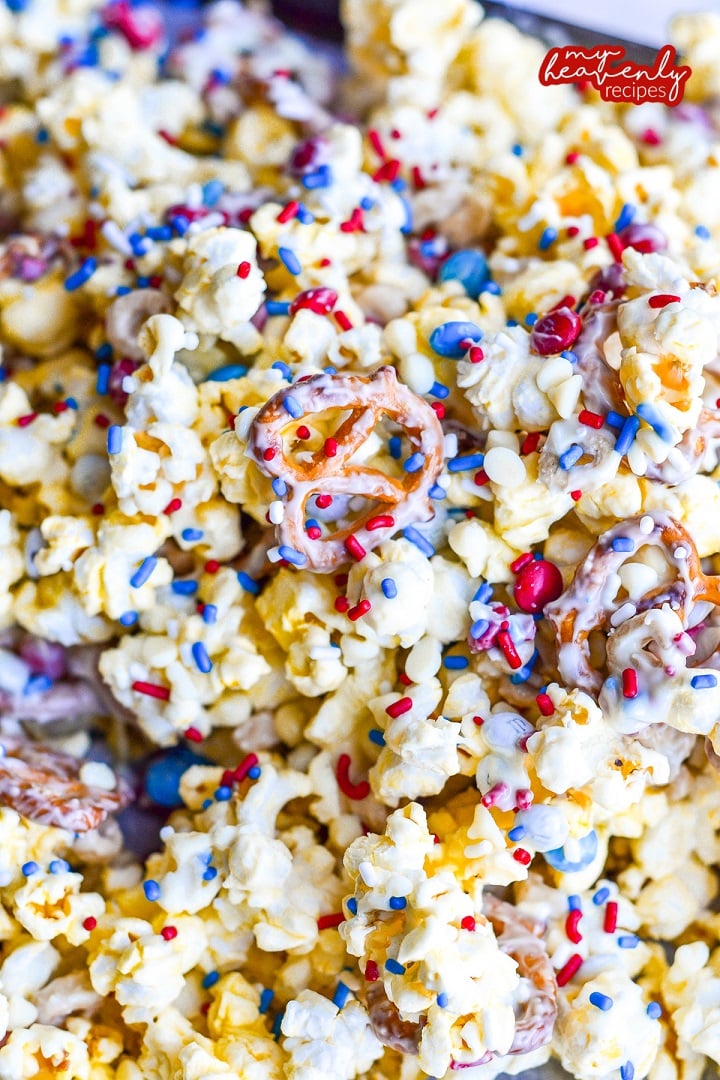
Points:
(360, 552)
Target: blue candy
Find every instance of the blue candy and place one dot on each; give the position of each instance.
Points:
(467, 266)
(162, 778)
(224, 374)
(447, 339)
(588, 847)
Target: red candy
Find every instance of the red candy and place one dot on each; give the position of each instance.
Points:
(557, 330)
(537, 584)
(320, 300)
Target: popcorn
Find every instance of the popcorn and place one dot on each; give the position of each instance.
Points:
(323, 1040)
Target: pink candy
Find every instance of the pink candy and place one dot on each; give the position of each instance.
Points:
(556, 331)
(537, 584)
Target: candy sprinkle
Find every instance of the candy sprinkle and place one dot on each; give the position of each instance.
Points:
(200, 656)
(154, 690)
(354, 548)
(571, 926)
(703, 682)
(630, 683)
(601, 1001)
(353, 791)
(341, 995)
(662, 300)
(569, 969)
(611, 917)
(389, 588)
(328, 922)
(397, 708)
(143, 572)
(654, 1010)
(394, 967)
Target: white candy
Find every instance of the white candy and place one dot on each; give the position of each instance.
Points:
(504, 467)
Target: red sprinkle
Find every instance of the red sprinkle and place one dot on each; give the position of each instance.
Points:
(331, 447)
(522, 560)
(387, 172)
(576, 495)
(90, 923)
(352, 791)
(376, 142)
(418, 178)
(630, 683)
(212, 566)
(507, 645)
(102, 421)
(303, 432)
(314, 532)
(353, 547)
(480, 479)
(321, 300)
(342, 604)
(342, 320)
(372, 973)
(98, 509)
(597, 296)
(572, 230)
(611, 916)
(650, 137)
(269, 454)
(288, 212)
(243, 270)
(439, 409)
(326, 922)
(359, 610)
(172, 506)
(544, 704)
(397, 708)
(354, 223)
(661, 300)
(571, 926)
(572, 157)
(468, 923)
(382, 521)
(60, 407)
(479, 720)
(168, 933)
(616, 246)
(341, 580)
(476, 354)
(241, 770)
(530, 443)
(590, 242)
(522, 856)
(228, 778)
(23, 421)
(591, 419)
(151, 690)
(323, 501)
(194, 735)
(404, 679)
(569, 969)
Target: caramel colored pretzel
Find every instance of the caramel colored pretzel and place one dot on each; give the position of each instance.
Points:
(44, 785)
(330, 470)
(583, 608)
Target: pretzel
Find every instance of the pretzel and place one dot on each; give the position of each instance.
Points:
(581, 609)
(44, 785)
(404, 499)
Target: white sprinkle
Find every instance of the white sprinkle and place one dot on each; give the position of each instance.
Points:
(274, 555)
(325, 652)
(646, 525)
(451, 445)
(369, 874)
(276, 512)
(116, 237)
(681, 553)
(624, 612)
(504, 467)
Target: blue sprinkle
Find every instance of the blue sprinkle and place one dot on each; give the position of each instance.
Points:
(574, 903)
(209, 614)
(200, 656)
(321, 178)
(289, 554)
(229, 371)
(419, 541)
(277, 1025)
(517, 833)
(366, 203)
(223, 793)
(703, 682)
(627, 434)
(277, 307)
(114, 439)
(414, 463)
(191, 535)
(247, 583)
(395, 447)
(180, 224)
(399, 184)
(376, 736)
(279, 486)
(159, 232)
(531, 319)
(29, 868)
(128, 618)
(484, 593)
(437, 493)
(290, 260)
(448, 338)
(601, 896)
(466, 463)
(517, 150)
(702, 231)
(210, 979)
(265, 999)
(143, 572)
(654, 1010)
(456, 663)
(206, 803)
(162, 778)
(342, 993)
(312, 523)
(493, 288)
(211, 192)
(83, 273)
(439, 390)
(628, 941)
(211, 873)
(59, 866)
(140, 245)
(397, 903)
(601, 1001)
(330, 370)
(479, 627)
(42, 136)
(352, 905)
(549, 236)
(469, 267)
(151, 890)
(292, 406)
(652, 416)
(571, 456)
(283, 369)
(394, 967)
(568, 354)
(16, 5)
(37, 684)
(71, 403)
(185, 588)
(614, 419)
(523, 674)
(304, 216)
(255, 772)
(627, 1071)
(408, 225)
(123, 290)
(626, 215)
(389, 588)
(442, 1000)
(103, 379)
(623, 543)
(512, 322)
